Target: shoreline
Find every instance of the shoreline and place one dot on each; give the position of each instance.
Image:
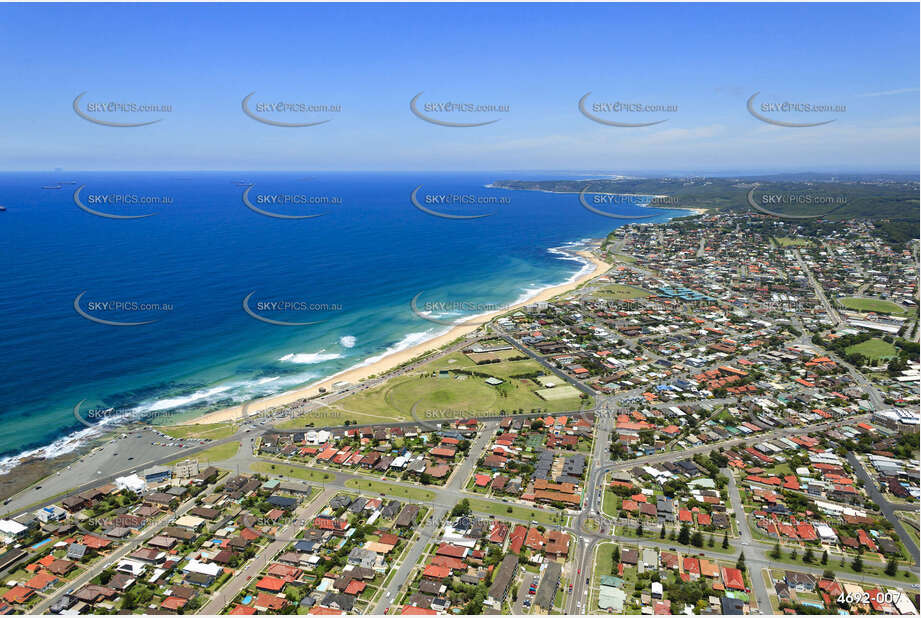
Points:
(387, 363)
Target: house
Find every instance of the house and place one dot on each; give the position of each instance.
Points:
(282, 502)
(731, 607)
(801, 582)
(733, 578)
(335, 600)
(363, 557)
(269, 602)
(502, 580)
(157, 474)
(18, 594)
(407, 516)
(549, 583)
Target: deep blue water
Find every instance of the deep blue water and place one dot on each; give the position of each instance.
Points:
(205, 251)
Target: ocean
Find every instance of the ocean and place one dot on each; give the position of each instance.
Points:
(347, 278)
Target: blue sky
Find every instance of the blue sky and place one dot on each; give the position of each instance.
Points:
(538, 59)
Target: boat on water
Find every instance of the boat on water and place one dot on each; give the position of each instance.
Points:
(2, 208)
(57, 186)
(242, 183)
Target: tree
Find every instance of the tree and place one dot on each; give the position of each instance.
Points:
(892, 567)
(825, 557)
(793, 554)
(461, 508)
(684, 535)
(809, 556)
(725, 540)
(129, 601)
(775, 553)
(697, 539)
(615, 558)
(662, 532)
(740, 564)
(710, 541)
(106, 575)
(639, 529)
(857, 564)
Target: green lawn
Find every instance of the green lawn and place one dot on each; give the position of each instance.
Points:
(214, 454)
(876, 305)
(786, 241)
(399, 491)
(610, 503)
(874, 348)
(292, 472)
(500, 510)
(617, 291)
(396, 397)
(214, 431)
(393, 400)
(870, 569)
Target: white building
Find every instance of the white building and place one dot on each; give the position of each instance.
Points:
(10, 530)
(131, 483)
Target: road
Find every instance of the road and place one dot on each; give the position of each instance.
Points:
(819, 292)
(747, 541)
(117, 554)
(885, 507)
(231, 588)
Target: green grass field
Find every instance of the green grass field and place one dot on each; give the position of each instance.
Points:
(270, 469)
(786, 241)
(874, 348)
(517, 512)
(214, 454)
(413, 493)
(617, 291)
(875, 305)
(214, 431)
(610, 503)
(395, 398)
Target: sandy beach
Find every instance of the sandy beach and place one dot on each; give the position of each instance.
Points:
(390, 361)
